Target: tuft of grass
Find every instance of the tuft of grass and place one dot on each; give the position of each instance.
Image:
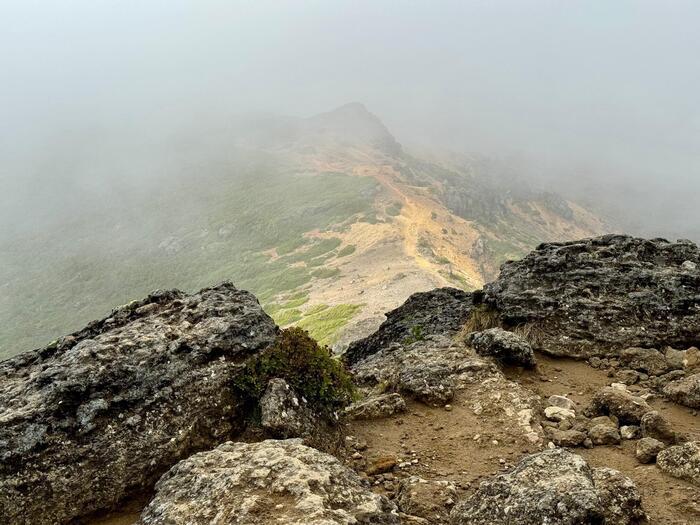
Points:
(323, 322)
(309, 368)
(532, 332)
(286, 317)
(481, 318)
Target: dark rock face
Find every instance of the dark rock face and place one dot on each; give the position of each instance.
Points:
(442, 311)
(104, 412)
(599, 296)
(555, 487)
(506, 347)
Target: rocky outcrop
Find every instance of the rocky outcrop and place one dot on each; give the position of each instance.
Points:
(599, 296)
(555, 487)
(681, 461)
(442, 311)
(506, 347)
(104, 412)
(262, 483)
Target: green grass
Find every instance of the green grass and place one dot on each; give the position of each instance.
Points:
(346, 250)
(394, 209)
(56, 281)
(323, 322)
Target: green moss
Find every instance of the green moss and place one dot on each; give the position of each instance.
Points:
(310, 369)
(346, 250)
(325, 273)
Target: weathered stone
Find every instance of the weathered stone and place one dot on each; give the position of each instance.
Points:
(376, 407)
(504, 346)
(647, 449)
(442, 311)
(561, 402)
(619, 402)
(681, 461)
(430, 500)
(629, 432)
(382, 465)
(619, 496)
(646, 360)
(656, 426)
(558, 414)
(604, 435)
(283, 414)
(674, 358)
(555, 487)
(106, 411)
(262, 483)
(610, 421)
(685, 391)
(691, 359)
(579, 295)
(566, 438)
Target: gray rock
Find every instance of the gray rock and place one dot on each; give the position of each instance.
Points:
(646, 360)
(629, 432)
(283, 414)
(656, 426)
(685, 391)
(555, 487)
(579, 294)
(561, 402)
(674, 358)
(104, 412)
(376, 407)
(261, 483)
(559, 414)
(566, 438)
(442, 311)
(604, 435)
(619, 402)
(619, 497)
(647, 449)
(506, 347)
(430, 500)
(681, 461)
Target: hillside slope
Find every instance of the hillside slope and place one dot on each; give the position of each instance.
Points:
(327, 220)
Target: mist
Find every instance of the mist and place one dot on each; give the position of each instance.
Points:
(597, 100)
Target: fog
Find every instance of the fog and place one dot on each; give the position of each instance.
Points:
(598, 100)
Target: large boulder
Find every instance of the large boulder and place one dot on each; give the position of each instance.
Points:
(555, 487)
(504, 346)
(619, 402)
(602, 295)
(681, 461)
(104, 412)
(685, 391)
(261, 483)
(442, 311)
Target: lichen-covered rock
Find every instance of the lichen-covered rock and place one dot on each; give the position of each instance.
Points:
(262, 483)
(619, 497)
(555, 487)
(105, 411)
(685, 391)
(376, 407)
(619, 402)
(442, 311)
(656, 426)
(430, 500)
(599, 296)
(566, 438)
(647, 449)
(681, 461)
(604, 435)
(282, 413)
(506, 347)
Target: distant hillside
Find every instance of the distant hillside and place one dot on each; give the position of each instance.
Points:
(327, 220)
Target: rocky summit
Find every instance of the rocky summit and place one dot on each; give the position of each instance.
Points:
(563, 393)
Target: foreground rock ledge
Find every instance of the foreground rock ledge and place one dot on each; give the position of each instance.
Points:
(104, 412)
(264, 483)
